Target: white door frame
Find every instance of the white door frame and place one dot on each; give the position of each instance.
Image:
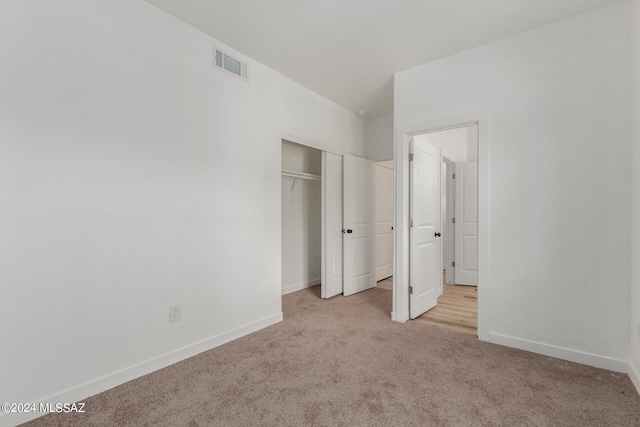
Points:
(400, 311)
(448, 227)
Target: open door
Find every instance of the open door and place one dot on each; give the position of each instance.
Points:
(384, 222)
(358, 230)
(425, 265)
(466, 270)
(331, 225)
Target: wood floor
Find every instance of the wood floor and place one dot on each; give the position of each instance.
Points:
(457, 308)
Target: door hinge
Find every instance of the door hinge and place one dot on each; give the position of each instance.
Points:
(453, 176)
(453, 220)
(411, 157)
(410, 290)
(453, 264)
(410, 223)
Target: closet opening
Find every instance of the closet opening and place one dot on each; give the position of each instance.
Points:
(301, 216)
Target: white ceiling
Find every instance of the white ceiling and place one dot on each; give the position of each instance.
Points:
(348, 50)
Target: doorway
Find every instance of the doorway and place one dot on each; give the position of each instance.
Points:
(456, 306)
(459, 151)
(404, 136)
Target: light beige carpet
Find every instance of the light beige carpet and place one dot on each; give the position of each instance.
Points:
(343, 362)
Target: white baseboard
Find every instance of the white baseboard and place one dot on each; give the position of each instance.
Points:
(300, 286)
(584, 358)
(634, 374)
(82, 391)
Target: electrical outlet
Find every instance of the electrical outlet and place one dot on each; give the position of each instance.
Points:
(175, 312)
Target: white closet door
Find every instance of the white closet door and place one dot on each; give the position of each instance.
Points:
(331, 225)
(359, 233)
(384, 222)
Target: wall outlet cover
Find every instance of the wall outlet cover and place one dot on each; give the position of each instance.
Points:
(175, 312)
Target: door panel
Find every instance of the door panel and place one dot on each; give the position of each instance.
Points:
(466, 223)
(332, 225)
(384, 222)
(359, 260)
(425, 269)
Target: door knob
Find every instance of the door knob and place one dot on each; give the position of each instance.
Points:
(438, 234)
(349, 231)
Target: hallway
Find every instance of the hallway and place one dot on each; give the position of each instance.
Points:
(457, 307)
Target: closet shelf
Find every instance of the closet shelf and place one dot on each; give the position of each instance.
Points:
(301, 175)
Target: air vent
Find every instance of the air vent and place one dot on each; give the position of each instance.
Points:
(231, 65)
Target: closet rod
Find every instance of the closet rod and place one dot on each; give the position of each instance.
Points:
(301, 175)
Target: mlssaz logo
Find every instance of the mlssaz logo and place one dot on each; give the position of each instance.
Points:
(64, 408)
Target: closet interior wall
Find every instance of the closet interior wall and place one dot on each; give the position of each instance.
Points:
(301, 216)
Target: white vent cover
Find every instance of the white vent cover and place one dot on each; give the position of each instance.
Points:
(230, 65)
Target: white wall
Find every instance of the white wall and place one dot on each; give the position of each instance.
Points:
(301, 214)
(471, 143)
(458, 145)
(635, 254)
(379, 136)
(559, 171)
(135, 176)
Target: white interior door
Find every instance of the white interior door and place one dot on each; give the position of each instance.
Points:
(384, 221)
(359, 255)
(466, 224)
(331, 225)
(425, 265)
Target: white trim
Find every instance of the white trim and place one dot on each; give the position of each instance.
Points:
(563, 353)
(98, 385)
(401, 213)
(448, 223)
(300, 286)
(323, 226)
(634, 374)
